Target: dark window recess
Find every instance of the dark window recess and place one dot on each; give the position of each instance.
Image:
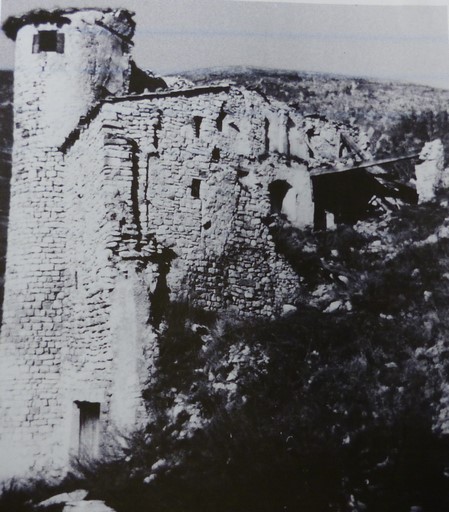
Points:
(89, 428)
(196, 184)
(220, 119)
(197, 120)
(278, 189)
(290, 125)
(266, 135)
(319, 217)
(48, 41)
(216, 155)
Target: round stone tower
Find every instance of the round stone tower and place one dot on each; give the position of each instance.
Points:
(66, 61)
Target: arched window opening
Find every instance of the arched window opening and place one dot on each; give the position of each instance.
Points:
(278, 190)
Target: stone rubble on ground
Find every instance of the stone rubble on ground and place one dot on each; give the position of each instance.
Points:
(65, 497)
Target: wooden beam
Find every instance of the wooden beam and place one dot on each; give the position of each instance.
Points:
(361, 165)
(351, 145)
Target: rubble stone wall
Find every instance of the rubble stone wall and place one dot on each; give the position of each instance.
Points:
(138, 235)
(162, 197)
(202, 196)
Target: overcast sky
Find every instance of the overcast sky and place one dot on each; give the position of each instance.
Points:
(407, 43)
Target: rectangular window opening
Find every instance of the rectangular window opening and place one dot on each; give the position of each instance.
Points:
(48, 41)
(215, 157)
(195, 188)
(89, 429)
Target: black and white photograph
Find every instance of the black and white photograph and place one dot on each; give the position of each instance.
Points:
(224, 256)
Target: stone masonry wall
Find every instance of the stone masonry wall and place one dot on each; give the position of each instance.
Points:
(33, 316)
(161, 197)
(59, 88)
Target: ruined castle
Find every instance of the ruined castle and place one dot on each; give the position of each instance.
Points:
(128, 193)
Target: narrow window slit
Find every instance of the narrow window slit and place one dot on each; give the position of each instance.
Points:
(220, 120)
(266, 135)
(197, 120)
(290, 125)
(195, 188)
